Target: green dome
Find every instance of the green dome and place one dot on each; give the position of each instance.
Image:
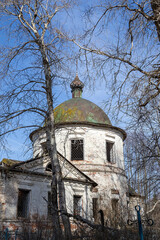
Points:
(79, 110)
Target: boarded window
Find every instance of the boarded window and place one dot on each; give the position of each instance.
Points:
(77, 205)
(49, 204)
(77, 149)
(95, 207)
(110, 151)
(23, 203)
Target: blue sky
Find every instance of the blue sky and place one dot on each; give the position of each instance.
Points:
(95, 90)
(17, 144)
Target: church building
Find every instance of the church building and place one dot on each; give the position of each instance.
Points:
(90, 151)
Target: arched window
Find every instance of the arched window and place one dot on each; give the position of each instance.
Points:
(49, 167)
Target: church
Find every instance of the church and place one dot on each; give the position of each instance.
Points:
(90, 152)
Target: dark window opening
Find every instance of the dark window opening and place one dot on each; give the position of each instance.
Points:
(115, 212)
(95, 208)
(77, 205)
(44, 148)
(77, 149)
(23, 203)
(115, 206)
(49, 167)
(109, 151)
(49, 204)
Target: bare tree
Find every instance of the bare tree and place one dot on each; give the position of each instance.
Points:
(122, 39)
(143, 158)
(121, 43)
(30, 62)
(142, 164)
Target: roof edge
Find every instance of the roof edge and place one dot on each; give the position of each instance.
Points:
(13, 167)
(91, 181)
(101, 125)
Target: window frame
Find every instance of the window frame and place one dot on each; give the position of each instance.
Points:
(76, 139)
(44, 148)
(115, 210)
(27, 207)
(77, 211)
(95, 208)
(111, 152)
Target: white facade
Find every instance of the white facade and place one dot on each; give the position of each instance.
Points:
(31, 177)
(110, 176)
(95, 180)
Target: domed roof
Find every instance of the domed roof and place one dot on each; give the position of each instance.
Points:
(79, 110)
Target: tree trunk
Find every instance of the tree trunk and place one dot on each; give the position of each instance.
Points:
(51, 145)
(63, 208)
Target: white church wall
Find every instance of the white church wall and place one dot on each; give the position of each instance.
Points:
(83, 191)
(38, 188)
(110, 176)
(38, 139)
(94, 140)
(94, 143)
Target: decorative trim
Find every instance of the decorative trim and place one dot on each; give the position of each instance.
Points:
(110, 136)
(99, 125)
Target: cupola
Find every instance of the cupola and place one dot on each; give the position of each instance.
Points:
(76, 87)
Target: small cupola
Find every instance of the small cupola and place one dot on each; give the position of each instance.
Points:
(76, 87)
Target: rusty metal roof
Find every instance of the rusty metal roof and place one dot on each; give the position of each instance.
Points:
(80, 110)
(9, 162)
